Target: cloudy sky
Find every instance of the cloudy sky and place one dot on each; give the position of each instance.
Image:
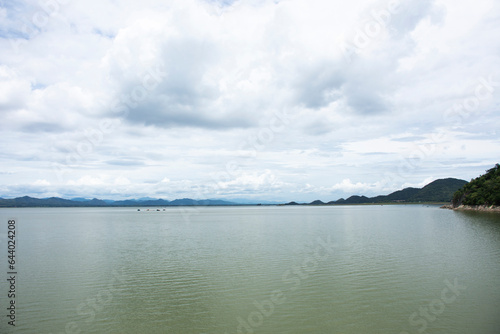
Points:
(270, 99)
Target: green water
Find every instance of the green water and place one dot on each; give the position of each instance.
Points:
(216, 270)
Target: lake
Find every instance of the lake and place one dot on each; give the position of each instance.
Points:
(262, 269)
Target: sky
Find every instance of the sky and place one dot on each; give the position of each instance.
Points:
(274, 100)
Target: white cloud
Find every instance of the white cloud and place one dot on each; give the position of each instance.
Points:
(420, 184)
(87, 180)
(347, 186)
(41, 183)
(13, 89)
(191, 85)
(247, 181)
(122, 181)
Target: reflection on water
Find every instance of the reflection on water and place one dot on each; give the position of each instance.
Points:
(353, 269)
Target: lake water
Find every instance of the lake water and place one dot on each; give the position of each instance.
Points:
(215, 270)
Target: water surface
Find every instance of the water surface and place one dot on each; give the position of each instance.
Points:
(343, 269)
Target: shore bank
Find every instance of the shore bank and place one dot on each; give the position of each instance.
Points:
(486, 208)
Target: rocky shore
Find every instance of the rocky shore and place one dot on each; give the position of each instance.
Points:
(486, 208)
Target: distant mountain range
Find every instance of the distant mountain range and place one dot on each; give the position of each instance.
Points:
(27, 201)
(438, 191)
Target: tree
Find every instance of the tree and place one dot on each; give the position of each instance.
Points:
(483, 190)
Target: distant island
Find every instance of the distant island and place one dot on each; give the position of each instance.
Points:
(26, 201)
(480, 194)
(439, 191)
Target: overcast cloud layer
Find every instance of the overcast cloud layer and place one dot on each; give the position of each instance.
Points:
(276, 100)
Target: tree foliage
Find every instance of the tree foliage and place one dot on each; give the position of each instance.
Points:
(483, 190)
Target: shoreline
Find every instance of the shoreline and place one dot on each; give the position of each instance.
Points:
(217, 205)
(482, 208)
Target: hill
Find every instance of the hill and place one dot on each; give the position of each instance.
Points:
(26, 201)
(397, 196)
(441, 190)
(438, 191)
(483, 190)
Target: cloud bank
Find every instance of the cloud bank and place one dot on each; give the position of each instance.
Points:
(278, 100)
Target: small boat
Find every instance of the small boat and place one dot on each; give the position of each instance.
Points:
(138, 209)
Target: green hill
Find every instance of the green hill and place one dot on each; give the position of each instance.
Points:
(438, 191)
(483, 190)
(401, 195)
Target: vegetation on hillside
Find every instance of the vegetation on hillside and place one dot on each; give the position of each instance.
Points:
(483, 190)
(439, 191)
